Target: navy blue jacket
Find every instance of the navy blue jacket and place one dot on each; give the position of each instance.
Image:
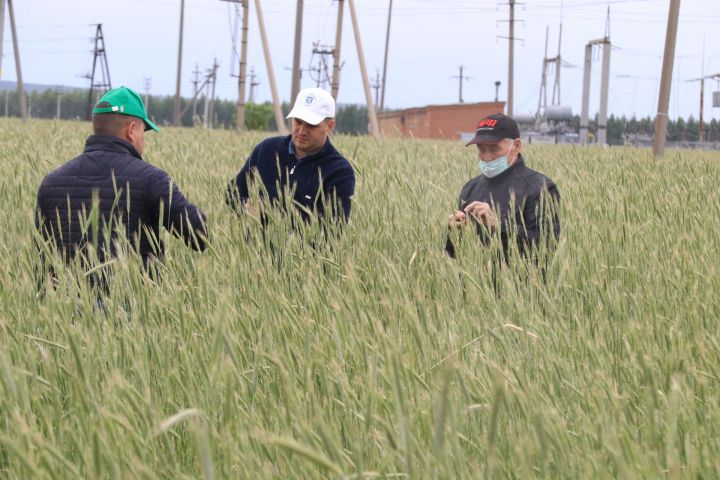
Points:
(129, 191)
(517, 194)
(323, 180)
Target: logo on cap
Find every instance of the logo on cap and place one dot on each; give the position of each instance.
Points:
(488, 122)
(309, 100)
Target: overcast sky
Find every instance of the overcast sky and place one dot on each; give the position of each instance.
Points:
(429, 40)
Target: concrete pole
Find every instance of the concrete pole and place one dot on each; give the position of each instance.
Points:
(701, 130)
(16, 49)
(2, 32)
(57, 108)
(374, 130)
(661, 119)
(604, 90)
(335, 83)
(279, 120)
(296, 54)
(176, 112)
(583, 139)
(240, 113)
(387, 44)
(511, 60)
(542, 98)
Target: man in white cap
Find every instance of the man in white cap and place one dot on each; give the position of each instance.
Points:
(304, 164)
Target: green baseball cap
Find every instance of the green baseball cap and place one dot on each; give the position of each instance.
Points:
(124, 101)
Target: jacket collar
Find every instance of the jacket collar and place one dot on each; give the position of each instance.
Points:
(109, 143)
(323, 152)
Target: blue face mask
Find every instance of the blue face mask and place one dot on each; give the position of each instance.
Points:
(495, 167)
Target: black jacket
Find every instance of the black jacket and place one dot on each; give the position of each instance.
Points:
(518, 195)
(128, 191)
(323, 179)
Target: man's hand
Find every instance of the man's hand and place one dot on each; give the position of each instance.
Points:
(252, 208)
(457, 220)
(482, 213)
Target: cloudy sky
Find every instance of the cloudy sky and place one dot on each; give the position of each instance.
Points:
(428, 43)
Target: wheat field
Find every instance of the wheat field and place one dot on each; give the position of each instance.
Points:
(376, 356)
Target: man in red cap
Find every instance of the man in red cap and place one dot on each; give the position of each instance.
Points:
(508, 198)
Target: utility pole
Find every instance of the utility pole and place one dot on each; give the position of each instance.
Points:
(296, 54)
(147, 81)
(99, 56)
(253, 84)
(58, 91)
(604, 89)
(604, 84)
(16, 49)
(702, 100)
(511, 59)
(211, 113)
(176, 113)
(387, 44)
(376, 87)
(2, 32)
(242, 74)
(372, 116)
(497, 91)
(196, 83)
(279, 120)
(661, 119)
(335, 82)
(461, 77)
(542, 98)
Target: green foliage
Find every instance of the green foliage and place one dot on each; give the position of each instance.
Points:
(258, 115)
(374, 356)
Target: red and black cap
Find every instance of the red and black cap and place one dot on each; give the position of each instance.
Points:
(494, 129)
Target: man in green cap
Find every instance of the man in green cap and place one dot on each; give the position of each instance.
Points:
(82, 203)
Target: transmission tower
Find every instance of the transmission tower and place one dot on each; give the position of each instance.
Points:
(102, 83)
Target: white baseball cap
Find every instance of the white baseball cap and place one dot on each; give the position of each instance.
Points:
(313, 105)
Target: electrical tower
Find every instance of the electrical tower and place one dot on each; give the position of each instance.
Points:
(99, 80)
(557, 63)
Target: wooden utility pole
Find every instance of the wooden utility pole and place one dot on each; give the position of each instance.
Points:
(372, 116)
(2, 32)
(511, 59)
(16, 49)
(279, 120)
(387, 45)
(335, 82)
(296, 54)
(661, 119)
(176, 112)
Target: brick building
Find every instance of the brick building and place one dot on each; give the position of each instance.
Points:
(451, 122)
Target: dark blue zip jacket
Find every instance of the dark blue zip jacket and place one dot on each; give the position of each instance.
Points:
(323, 180)
(129, 192)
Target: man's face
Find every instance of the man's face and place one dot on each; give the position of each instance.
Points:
(309, 138)
(487, 152)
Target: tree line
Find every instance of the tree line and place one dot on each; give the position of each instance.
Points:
(351, 119)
